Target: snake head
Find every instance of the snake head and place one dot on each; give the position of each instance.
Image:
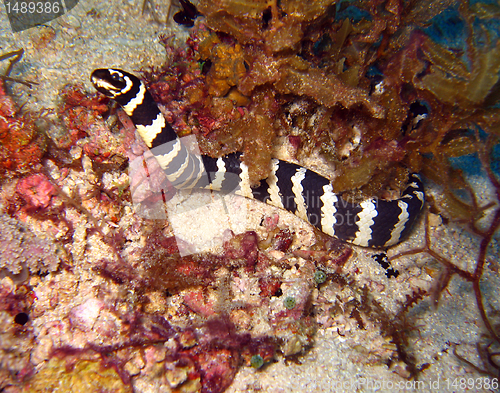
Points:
(112, 82)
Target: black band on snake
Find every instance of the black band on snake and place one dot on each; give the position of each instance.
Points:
(371, 223)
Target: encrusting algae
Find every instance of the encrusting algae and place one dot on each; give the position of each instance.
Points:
(59, 376)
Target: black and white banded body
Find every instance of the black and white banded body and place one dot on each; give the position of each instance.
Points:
(371, 223)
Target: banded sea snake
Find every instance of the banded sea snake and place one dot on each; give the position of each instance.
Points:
(371, 223)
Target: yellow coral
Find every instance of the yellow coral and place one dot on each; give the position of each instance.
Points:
(228, 64)
(84, 376)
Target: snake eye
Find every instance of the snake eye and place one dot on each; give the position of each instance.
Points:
(116, 77)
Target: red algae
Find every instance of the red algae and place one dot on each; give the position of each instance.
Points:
(21, 145)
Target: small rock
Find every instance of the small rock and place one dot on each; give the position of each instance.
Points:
(176, 376)
(85, 315)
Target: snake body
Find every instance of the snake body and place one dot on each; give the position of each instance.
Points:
(371, 223)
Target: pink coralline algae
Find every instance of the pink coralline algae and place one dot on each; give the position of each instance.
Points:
(36, 190)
